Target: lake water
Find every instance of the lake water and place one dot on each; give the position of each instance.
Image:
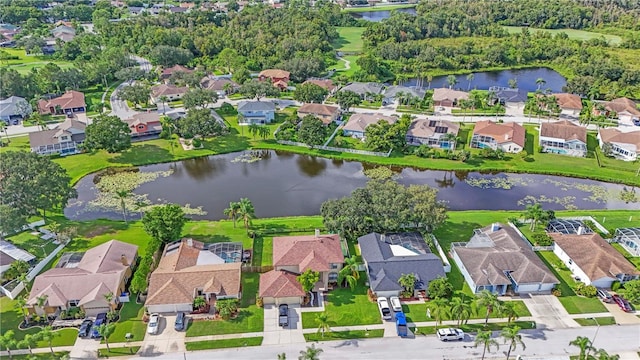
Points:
(286, 184)
(526, 80)
(379, 15)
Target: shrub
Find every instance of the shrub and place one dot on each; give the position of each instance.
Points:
(371, 295)
(197, 143)
(556, 292)
(541, 239)
(424, 151)
(589, 291)
(615, 286)
(259, 301)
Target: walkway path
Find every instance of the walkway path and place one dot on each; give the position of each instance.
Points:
(347, 64)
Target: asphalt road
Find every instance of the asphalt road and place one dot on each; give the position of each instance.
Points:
(540, 344)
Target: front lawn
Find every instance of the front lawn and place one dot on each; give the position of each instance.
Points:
(343, 335)
(473, 328)
(118, 351)
(130, 322)
(38, 356)
(609, 320)
(345, 307)
(223, 344)
(418, 312)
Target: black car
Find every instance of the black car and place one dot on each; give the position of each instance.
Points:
(283, 315)
(85, 328)
(180, 321)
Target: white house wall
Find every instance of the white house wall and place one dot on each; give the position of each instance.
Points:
(510, 147)
(534, 288)
(387, 294)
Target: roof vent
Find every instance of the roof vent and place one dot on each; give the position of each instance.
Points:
(580, 230)
(317, 233)
(190, 241)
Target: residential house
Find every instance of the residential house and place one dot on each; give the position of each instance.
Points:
(7, 33)
(170, 91)
(499, 260)
(448, 97)
(393, 93)
(84, 282)
(593, 260)
(624, 145)
(365, 90)
(510, 137)
(629, 238)
(14, 109)
(68, 103)
(626, 110)
(64, 33)
(167, 72)
(274, 75)
(563, 137)
(145, 124)
(9, 253)
(64, 139)
(434, 133)
(135, 10)
(570, 105)
(507, 96)
(326, 113)
(326, 84)
(256, 112)
(358, 123)
(189, 269)
(293, 255)
(387, 257)
(222, 86)
(178, 10)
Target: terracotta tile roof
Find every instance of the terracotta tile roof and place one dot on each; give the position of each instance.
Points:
(274, 73)
(502, 133)
(564, 129)
(569, 101)
(427, 128)
(326, 84)
(596, 257)
(622, 105)
(144, 118)
(307, 251)
(318, 109)
(359, 122)
(176, 68)
(68, 100)
(441, 94)
(278, 284)
(167, 89)
(614, 135)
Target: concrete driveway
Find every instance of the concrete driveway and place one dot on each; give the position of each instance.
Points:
(274, 334)
(622, 318)
(85, 348)
(548, 311)
(119, 107)
(167, 340)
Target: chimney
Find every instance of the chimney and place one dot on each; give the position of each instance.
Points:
(317, 233)
(383, 238)
(190, 242)
(495, 227)
(123, 259)
(580, 230)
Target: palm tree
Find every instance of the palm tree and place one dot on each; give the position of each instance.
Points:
(490, 301)
(281, 356)
(232, 211)
(349, 272)
(123, 195)
(602, 354)
(540, 82)
(199, 302)
(509, 311)
(440, 310)
(535, 213)
(323, 323)
(41, 301)
(461, 308)
(105, 330)
(408, 282)
(20, 305)
(484, 338)
(452, 81)
(585, 346)
(511, 335)
(163, 100)
(253, 130)
(470, 78)
(47, 334)
(312, 353)
(29, 341)
(108, 297)
(8, 341)
(246, 212)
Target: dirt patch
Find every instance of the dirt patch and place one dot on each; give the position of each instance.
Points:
(98, 231)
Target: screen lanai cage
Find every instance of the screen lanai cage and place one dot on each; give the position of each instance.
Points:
(629, 238)
(564, 226)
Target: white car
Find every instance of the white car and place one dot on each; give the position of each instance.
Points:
(154, 324)
(452, 334)
(383, 304)
(395, 303)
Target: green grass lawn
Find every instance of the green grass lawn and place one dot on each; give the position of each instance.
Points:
(609, 320)
(473, 328)
(25, 62)
(573, 34)
(130, 322)
(118, 351)
(350, 40)
(33, 243)
(223, 344)
(635, 260)
(344, 335)
(44, 356)
(345, 307)
(353, 66)
(418, 312)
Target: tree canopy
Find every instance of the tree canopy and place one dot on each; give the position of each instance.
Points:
(312, 131)
(164, 223)
(310, 93)
(199, 122)
(108, 133)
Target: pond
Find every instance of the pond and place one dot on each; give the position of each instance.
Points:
(525, 78)
(286, 184)
(376, 16)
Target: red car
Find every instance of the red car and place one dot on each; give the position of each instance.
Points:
(622, 303)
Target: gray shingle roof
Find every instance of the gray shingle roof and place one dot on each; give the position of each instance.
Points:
(9, 106)
(256, 106)
(364, 88)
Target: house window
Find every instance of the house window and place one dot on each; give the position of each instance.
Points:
(333, 277)
(140, 127)
(334, 266)
(73, 303)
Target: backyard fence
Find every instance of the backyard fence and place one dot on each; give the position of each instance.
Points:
(257, 269)
(447, 265)
(336, 149)
(526, 240)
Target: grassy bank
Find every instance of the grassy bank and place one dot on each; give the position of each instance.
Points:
(473, 328)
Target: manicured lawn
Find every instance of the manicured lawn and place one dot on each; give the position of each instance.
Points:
(223, 344)
(635, 260)
(25, 62)
(353, 67)
(571, 33)
(343, 335)
(130, 322)
(10, 319)
(418, 312)
(33, 244)
(345, 307)
(118, 351)
(350, 39)
(473, 328)
(43, 356)
(609, 320)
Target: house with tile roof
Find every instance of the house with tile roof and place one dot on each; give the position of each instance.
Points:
(510, 137)
(326, 113)
(434, 133)
(624, 145)
(84, 283)
(448, 97)
(145, 124)
(563, 137)
(274, 75)
(189, 269)
(64, 139)
(167, 72)
(570, 104)
(170, 91)
(326, 84)
(293, 255)
(497, 259)
(625, 109)
(358, 123)
(387, 256)
(68, 103)
(222, 86)
(593, 260)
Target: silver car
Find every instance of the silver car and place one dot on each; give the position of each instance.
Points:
(154, 324)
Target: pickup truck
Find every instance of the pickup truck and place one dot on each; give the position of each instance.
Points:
(401, 324)
(283, 315)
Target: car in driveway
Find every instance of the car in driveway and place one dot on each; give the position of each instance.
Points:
(283, 315)
(100, 319)
(154, 324)
(383, 305)
(604, 296)
(395, 304)
(622, 303)
(181, 320)
(85, 328)
(450, 334)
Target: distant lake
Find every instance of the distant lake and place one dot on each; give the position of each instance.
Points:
(526, 79)
(376, 16)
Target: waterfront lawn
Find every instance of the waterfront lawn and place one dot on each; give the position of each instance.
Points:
(33, 244)
(418, 312)
(223, 344)
(635, 260)
(130, 322)
(344, 335)
(609, 320)
(118, 351)
(345, 307)
(350, 39)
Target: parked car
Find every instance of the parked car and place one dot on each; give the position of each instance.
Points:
(383, 305)
(450, 334)
(85, 328)
(604, 295)
(154, 324)
(395, 303)
(622, 303)
(181, 320)
(283, 315)
(100, 319)
(636, 122)
(401, 324)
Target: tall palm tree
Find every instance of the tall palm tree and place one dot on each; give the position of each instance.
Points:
(511, 336)
(41, 301)
(8, 341)
(351, 265)
(509, 311)
(489, 300)
(408, 282)
(484, 338)
(585, 346)
(323, 323)
(461, 308)
(29, 341)
(105, 330)
(232, 211)
(246, 212)
(312, 353)
(20, 305)
(108, 297)
(535, 213)
(470, 78)
(540, 82)
(429, 80)
(47, 334)
(452, 81)
(440, 310)
(122, 196)
(163, 100)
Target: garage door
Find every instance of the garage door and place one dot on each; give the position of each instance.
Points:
(169, 308)
(95, 310)
(288, 300)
